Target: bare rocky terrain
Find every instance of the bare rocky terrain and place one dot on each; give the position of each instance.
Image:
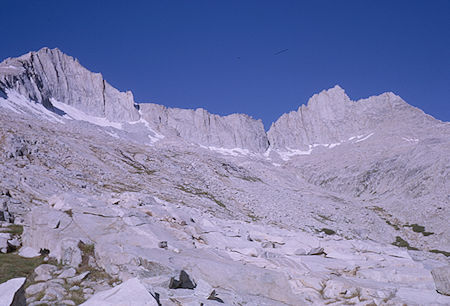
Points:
(104, 200)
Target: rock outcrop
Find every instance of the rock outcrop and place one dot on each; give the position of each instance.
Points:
(131, 290)
(11, 292)
(200, 126)
(49, 73)
(330, 117)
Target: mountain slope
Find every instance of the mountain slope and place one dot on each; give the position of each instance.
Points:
(309, 219)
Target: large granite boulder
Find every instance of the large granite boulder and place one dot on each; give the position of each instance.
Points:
(131, 291)
(12, 292)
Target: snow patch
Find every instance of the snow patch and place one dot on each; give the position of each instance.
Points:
(153, 138)
(76, 114)
(112, 134)
(226, 151)
(286, 155)
(22, 105)
(413, 140)
(362, 137)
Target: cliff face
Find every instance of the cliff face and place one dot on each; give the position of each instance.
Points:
(48, 73)
(331, 117)
(200, 126)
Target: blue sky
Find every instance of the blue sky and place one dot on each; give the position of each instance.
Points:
(220, 55)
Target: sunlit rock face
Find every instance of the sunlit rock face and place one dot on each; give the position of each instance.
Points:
(330, 117)
(200, 126)
(49, 73)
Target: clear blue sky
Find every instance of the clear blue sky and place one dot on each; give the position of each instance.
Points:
(219, 55)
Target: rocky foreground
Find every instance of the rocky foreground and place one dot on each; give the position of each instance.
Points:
(341, 202)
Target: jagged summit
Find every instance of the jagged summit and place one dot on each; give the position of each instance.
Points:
(50, 74)
(332, 117)
(329, 116)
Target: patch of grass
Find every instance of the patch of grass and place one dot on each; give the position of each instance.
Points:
(40, 295)
(253, 217)
(250, 179)
(199, 192)
(13, 265)
(377, 208)
(14, 229)
(96, 274)
(77, 296)
(87, 250)
(419, 229)
(325, 218)
(328, 231)
(140, 168)
(395, 226)
(447, 254)
(119, 187)
(401, 243)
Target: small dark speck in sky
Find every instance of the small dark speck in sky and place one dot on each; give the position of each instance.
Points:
(281, 51)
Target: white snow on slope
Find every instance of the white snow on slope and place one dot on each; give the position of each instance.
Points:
(76, 114)
(22, 105)
(362, 137)
(156, 136)
(413, 140)
(286, 155)
(226, 151)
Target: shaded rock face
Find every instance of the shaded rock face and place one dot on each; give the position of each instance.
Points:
(48, 73)
(202, 127)
(331, 117)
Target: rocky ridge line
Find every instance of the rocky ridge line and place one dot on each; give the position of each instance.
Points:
(329, 118)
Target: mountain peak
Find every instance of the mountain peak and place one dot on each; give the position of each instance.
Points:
(50, 74)
(329, 116)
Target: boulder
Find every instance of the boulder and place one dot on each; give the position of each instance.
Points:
(121, 295)
(12, 291)
(13, 244)
(78, 278)
(71, 253)
(36, 288)
(44, 272)
(184, 282)
(28, 252)
(70, 272)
